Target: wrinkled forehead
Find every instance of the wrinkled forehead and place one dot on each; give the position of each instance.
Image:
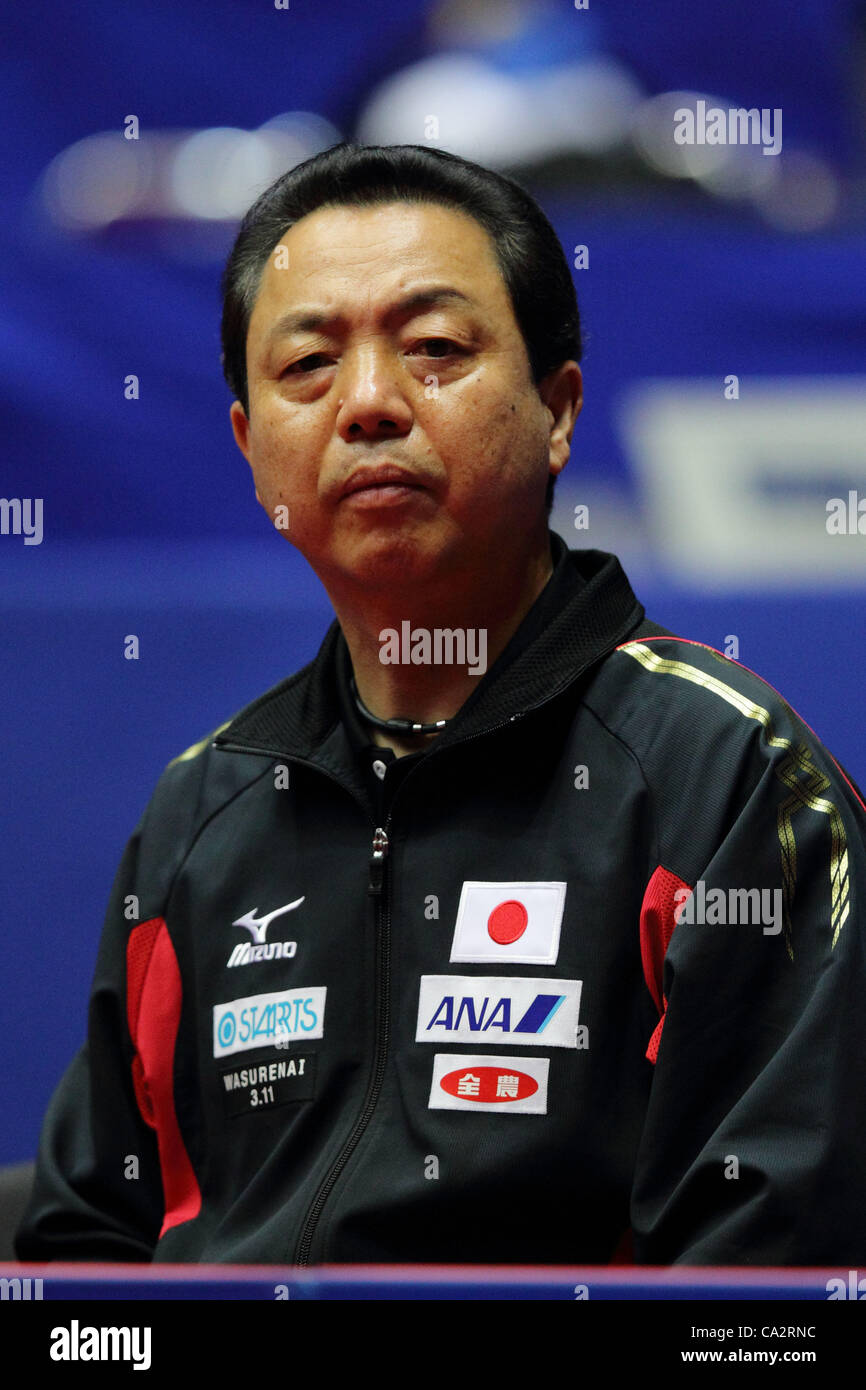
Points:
(357, 259)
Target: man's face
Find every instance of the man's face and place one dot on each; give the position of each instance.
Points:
(386, 335)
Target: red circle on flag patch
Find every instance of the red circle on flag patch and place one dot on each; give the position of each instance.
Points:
(489, 1085)
(507, 922)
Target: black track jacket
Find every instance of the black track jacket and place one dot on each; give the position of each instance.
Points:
(600, 969)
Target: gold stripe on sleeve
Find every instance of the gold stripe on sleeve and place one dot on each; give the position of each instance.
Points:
(797, 772)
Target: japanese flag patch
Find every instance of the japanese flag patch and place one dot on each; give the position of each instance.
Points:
(509, 923)
(505, 1085)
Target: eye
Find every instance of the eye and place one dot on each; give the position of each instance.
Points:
(303, 364)
(445, 343)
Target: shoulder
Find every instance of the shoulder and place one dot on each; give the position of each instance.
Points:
(659, 690)
(203, 779)
(715, 742)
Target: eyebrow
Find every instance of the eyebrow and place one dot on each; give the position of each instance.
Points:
(309, 320)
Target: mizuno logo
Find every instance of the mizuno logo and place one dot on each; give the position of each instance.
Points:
(246, 953)
(259, 925)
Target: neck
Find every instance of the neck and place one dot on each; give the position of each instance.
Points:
(384, 629)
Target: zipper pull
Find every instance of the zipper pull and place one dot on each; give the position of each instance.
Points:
(377, 862)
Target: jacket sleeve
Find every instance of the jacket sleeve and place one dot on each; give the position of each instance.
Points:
(98, 1192)
(754, 1145)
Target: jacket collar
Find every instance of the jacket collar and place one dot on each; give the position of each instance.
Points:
(295, 717)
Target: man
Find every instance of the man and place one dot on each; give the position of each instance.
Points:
(512, 928)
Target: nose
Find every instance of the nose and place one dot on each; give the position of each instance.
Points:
(372, 402)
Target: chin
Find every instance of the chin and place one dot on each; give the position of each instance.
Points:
(390, 557)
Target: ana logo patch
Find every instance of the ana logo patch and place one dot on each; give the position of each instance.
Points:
(506, 922)
(506, 1085)
(266, 1020)
(496, 1009)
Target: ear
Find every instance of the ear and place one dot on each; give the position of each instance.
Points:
(241, 431)
(562, 392)
(240, 428)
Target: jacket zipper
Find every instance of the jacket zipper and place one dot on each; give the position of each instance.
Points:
(377, 890)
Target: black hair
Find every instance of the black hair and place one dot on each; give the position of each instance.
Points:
(527, 249)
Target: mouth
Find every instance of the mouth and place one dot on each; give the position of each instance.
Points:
(386, 495)
(375, 484)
